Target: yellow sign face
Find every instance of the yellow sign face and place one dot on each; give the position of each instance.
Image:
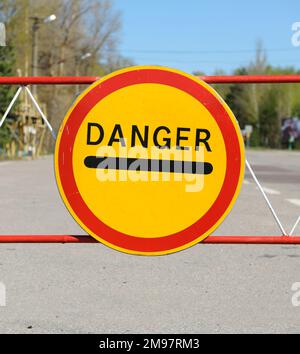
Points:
(149, 160)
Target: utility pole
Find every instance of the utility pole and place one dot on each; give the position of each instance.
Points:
(78, 60)
(37, 21)
(34, 58)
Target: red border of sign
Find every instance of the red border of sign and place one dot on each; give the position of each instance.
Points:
(65, 155)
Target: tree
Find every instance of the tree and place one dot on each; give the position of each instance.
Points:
(238, 98)
(7, 62)
(222, 89)
(269, 122)
(245, 99)
(82, 26)
(86, 26)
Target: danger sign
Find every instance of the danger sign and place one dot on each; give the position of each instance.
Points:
(149, 160)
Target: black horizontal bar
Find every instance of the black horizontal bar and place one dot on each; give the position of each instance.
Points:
(136, 164)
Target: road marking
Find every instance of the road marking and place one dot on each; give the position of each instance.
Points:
(5, 163)
(245, 181)
(294, 201)
(270, 191)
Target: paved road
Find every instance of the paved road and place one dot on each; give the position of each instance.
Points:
(90, 288)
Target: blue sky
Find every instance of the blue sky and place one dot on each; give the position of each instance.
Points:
(208, 35)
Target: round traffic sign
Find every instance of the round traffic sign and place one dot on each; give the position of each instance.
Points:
(149, 160)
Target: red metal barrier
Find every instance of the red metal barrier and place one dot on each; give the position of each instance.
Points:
(208, 240)
(86, 80)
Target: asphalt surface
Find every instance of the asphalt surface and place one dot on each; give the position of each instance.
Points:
(89, 288)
